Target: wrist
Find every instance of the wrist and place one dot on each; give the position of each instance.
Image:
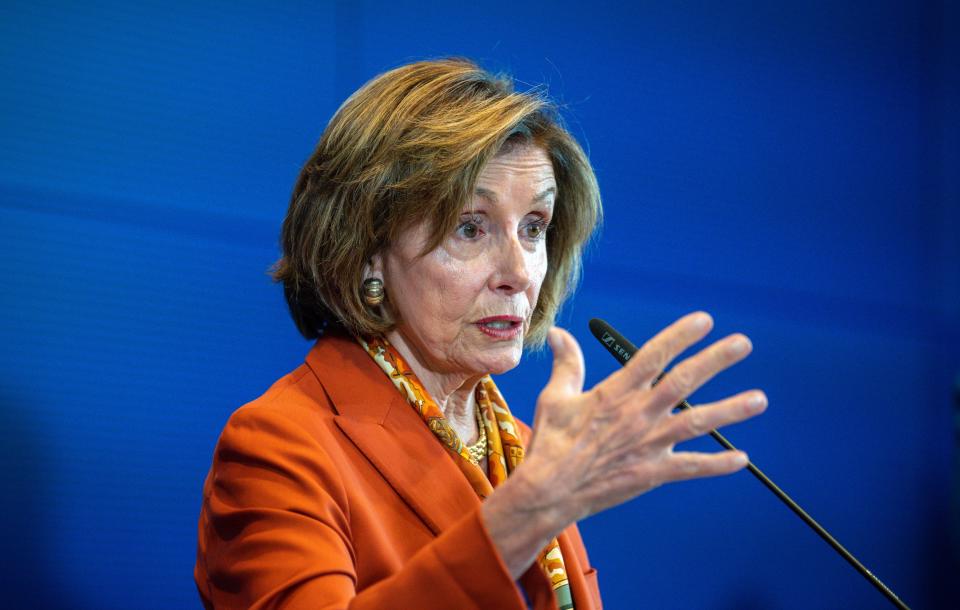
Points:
(520, 500)
(543, 506)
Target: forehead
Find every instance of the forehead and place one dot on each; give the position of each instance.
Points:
(519, 166)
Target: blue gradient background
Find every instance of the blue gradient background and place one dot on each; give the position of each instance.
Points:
(790, 167)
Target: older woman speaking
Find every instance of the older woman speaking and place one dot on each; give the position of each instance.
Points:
(432, 235)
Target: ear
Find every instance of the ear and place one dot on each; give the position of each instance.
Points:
(374, 267)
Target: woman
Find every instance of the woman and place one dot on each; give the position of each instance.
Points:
(432, 235)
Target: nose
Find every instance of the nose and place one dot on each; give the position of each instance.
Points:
(512, 268)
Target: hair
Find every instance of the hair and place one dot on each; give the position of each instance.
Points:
(409, 145)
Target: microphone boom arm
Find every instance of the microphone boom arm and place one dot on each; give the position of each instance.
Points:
(623, 350)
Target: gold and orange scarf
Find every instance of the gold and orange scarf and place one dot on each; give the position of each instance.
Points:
(504, 446)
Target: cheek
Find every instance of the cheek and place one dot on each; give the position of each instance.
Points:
(456, 290)
(454, 282)
(538, 272)
(440, 288)
(404, 290)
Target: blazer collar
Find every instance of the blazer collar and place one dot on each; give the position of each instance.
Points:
(390, 433)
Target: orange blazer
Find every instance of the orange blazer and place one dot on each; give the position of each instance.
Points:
(330, 492)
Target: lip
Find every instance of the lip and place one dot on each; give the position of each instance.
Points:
(511, 332)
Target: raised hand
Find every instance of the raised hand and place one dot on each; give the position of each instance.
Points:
(617, 440)
(596, 449)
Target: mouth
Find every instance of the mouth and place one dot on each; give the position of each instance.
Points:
(501, 327)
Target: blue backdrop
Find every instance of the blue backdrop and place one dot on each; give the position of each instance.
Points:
(790, 167)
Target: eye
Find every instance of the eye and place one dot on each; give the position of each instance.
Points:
(470, 228)
(537, 229)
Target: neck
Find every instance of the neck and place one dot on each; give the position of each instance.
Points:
(453, 392)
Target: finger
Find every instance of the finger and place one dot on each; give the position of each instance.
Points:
(568, 368)
(686, 465)
(656, 354)
(697, 421)
(685, 378)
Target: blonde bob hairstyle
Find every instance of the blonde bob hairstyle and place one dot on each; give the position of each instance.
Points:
(408, 146)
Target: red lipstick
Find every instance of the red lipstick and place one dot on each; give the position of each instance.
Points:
(501, 327)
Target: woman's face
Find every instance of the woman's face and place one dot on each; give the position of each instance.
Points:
(465, 307)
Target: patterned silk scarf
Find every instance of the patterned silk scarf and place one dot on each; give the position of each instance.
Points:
(504, 447)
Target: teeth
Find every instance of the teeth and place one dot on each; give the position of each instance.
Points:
(499, 324)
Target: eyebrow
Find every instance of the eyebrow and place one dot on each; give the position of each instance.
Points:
(492, 197)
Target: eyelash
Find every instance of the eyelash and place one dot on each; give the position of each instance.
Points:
(473, 220)
(541, 223)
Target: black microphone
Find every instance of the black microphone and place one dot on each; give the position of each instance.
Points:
(623, 350)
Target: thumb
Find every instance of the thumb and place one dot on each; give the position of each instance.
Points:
(568, 367)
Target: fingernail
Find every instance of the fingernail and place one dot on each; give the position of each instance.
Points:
(757, 402)
(701, 321)
(740, 459)
(552, 338)
(739, 346)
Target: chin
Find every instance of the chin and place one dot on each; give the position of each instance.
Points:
(507, 359)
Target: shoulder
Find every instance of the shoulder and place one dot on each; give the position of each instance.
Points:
(295, 398)
(291, 418)
(284, 443)
(302, 412)
(335, 373)
(294, 415)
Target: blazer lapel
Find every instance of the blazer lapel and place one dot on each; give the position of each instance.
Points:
(389, 432)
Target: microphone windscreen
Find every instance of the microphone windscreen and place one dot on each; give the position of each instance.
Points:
(618, 345)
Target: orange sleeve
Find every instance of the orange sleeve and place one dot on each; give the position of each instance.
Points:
(275, 533)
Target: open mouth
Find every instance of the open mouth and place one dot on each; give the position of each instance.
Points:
(501, 327)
